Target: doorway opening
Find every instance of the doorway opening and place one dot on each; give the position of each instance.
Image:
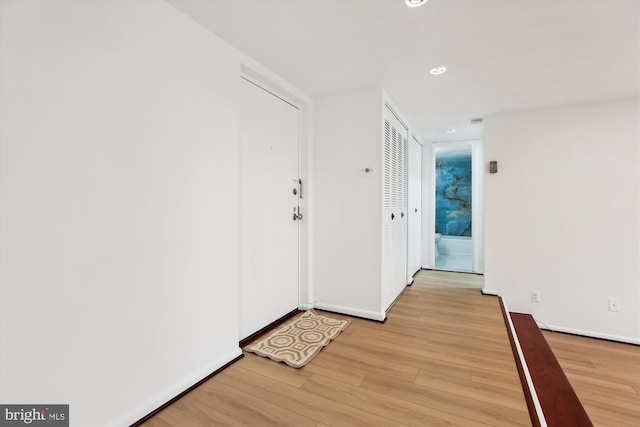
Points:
(456, 207)
(453, 244)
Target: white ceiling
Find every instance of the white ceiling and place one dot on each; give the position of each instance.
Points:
(501, 55)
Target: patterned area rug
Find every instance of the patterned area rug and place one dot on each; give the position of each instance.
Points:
(299, 341)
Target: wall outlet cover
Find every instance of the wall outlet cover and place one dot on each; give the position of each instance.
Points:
(535, 296)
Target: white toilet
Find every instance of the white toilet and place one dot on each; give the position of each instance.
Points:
(438, 237)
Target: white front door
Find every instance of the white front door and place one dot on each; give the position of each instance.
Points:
(268, 230)
(414, 255)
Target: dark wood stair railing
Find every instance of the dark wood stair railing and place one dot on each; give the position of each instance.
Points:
(560, 404)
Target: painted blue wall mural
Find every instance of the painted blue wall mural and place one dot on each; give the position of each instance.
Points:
(453, 196)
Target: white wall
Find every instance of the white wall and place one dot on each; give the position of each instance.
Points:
(346, 220)
(118, 206)
(562, 215)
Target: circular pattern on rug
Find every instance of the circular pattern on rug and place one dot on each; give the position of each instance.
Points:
(281, 341)
(307, 324)
(311, 337)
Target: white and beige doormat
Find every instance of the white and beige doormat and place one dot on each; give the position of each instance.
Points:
(299, 341)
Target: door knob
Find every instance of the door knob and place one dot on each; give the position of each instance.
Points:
(392, 217)
(401, 214)
(416, 210)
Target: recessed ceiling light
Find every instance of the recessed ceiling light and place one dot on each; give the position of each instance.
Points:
(438, 70)
(415, 3)
(451, 131)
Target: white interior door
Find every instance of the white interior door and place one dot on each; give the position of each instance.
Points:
(414, 246)
(268, 229)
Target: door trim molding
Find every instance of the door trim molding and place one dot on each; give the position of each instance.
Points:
(281, 98)
(477, 191)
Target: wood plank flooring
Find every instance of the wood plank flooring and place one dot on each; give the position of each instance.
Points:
(604, 374)
(441, 358)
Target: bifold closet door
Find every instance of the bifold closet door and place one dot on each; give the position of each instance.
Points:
(394, 209)
(269, 196)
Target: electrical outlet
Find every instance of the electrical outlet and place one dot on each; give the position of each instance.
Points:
(535, 296)
(614, 305)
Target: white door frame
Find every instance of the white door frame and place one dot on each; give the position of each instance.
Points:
(303, 295)
(274, 84)
(477, 198)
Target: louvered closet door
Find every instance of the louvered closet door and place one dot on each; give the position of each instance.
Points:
(268, 232)
(394, 209)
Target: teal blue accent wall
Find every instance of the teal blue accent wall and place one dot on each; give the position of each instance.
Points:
(453, 196)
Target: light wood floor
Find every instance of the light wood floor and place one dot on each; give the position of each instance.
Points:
(442, 358)
(605, 375)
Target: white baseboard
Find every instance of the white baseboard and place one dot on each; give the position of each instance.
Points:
(589, 334)
(305, 307)
(373, 315)
(486, 291)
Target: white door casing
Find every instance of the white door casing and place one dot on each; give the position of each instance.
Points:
(477, 214)
(269, 141)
